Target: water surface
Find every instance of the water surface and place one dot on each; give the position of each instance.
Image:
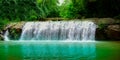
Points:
(59, 50)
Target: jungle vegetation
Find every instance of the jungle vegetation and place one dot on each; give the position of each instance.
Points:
(29, 10)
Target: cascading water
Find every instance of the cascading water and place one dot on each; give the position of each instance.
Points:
(59, 30)
(68, 31)
(6, 38)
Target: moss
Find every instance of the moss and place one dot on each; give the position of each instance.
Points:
(102, 26)
(3, 23)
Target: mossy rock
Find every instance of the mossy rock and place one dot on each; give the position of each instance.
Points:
(15, 30)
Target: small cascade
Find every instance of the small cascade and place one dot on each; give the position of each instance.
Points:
(6, 38)
(59, 30)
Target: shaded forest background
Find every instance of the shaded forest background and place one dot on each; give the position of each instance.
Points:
(29, 10)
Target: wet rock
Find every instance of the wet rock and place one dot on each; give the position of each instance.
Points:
(109, 33)
(108, 29)
(113, 32)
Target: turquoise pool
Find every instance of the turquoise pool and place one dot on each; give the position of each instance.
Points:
(59, 50)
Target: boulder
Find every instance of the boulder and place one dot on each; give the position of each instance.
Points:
(113, 32)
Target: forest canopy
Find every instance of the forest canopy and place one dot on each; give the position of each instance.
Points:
(19, 10)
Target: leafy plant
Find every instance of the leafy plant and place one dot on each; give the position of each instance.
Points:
(73, 9)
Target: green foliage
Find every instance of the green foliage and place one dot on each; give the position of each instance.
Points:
(90, 8)
(26, 9)
(73, 9)
(65, 9)
(47, 8)
(3, 23)
(18, 10)
(21, 10)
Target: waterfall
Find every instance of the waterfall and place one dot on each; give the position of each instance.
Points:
(6, 38)
(59, 30)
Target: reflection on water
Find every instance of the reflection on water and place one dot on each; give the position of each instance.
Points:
(49, 51)
(59, 50)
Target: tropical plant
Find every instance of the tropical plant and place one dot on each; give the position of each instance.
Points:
(73, 8)
(27, 9)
